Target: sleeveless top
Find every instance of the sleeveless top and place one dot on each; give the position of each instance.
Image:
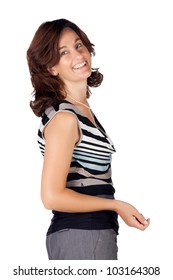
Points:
(89, 173)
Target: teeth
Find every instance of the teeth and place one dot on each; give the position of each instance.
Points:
(77, 66)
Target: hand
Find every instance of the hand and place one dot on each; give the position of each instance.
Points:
(131, 216)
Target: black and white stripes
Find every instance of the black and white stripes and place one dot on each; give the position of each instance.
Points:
(90, 169)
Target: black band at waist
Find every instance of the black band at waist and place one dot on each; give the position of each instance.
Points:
(89, 220)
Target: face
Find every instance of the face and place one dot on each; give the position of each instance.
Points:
(75, 60)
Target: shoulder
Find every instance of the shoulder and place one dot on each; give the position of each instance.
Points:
(62, 122)
(64, 118)
(51, 111)
(58, 113)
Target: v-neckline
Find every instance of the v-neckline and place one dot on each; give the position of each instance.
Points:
(97, 124)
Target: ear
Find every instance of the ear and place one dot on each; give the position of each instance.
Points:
(52, 71)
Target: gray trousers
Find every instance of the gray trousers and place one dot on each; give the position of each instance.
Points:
(81, 244)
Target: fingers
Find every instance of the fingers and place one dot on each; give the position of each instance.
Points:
(140, 222)
(141, 219)
(131, 216)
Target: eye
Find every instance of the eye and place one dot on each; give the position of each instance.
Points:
(63, 53)
(78, 45)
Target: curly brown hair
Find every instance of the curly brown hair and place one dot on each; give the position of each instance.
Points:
(43, 54)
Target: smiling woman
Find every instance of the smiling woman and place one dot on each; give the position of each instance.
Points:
(45, 53)
(75, 59)
(76, 179)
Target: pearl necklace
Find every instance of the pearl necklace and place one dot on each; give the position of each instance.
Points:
(78, 101)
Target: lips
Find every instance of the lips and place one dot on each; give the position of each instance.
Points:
(79, 65)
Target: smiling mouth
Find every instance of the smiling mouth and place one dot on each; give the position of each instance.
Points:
(80, 65)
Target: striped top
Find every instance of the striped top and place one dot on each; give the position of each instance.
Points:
(89, 173)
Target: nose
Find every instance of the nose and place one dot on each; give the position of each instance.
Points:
(77, 54)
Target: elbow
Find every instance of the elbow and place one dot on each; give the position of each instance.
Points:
(47, 204)
(51, 202)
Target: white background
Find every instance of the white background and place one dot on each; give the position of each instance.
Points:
(134, 43)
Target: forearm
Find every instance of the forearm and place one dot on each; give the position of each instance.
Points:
(71, 201)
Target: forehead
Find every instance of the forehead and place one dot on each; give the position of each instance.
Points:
(68, 36)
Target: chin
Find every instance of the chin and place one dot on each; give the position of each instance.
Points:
(85, 75)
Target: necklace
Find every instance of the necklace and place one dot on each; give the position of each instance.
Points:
(78, 102)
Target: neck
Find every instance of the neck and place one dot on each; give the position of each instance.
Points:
(78, 102)
(79, 92)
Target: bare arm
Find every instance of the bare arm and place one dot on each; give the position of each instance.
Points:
(61, 135)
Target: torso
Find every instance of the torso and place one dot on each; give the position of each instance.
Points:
(90, 169)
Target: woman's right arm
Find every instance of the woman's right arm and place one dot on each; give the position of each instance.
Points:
(61, 134)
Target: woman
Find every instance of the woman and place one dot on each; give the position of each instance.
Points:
(76, 177)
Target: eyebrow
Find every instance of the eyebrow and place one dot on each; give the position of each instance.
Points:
(77, 39)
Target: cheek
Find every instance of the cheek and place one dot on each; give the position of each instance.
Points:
(89, 58)
(65, 63)
(63, 67)
(65, 72)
